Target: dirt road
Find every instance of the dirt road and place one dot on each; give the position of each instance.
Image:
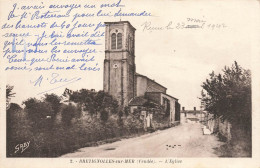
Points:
(185, 140)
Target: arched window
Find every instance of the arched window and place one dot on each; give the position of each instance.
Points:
(113, 41)
(116, 39)
(119, 41)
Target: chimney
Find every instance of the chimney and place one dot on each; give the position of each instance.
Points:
(194, 108)
(183, 108)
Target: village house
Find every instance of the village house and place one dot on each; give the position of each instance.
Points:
(193, 116)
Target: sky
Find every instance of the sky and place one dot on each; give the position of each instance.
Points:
(179, 59)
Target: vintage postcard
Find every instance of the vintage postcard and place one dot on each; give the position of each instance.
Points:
(127, 83)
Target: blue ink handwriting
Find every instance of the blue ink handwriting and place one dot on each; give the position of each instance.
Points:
(53, 79)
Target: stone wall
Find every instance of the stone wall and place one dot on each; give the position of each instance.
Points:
(218, 125)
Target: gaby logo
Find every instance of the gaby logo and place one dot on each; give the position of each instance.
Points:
(22, 147)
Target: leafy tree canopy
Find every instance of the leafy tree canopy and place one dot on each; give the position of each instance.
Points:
(54, 100)
(9, 92)
(94, 102)
(228, 94)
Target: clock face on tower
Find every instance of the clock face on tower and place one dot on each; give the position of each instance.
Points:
(115, 66)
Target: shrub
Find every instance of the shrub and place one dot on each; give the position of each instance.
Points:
(39, 113)
(103, 122)
(18, 130)
(68, 113)
(96, 103)
(54, 100)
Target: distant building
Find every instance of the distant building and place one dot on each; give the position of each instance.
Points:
(193, 115)
(120, 77)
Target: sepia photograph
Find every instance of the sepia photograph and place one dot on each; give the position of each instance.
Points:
(136, 83)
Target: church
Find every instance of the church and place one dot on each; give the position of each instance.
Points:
(120, 77)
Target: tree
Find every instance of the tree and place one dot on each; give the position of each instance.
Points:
(95, 102)
(105, 101)
(67, 114)
(9, 90)
(13, 115)
(54, 100)
(229, 94)
(9, 94)
(39, 113)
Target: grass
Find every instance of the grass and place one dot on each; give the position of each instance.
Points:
(239, 146)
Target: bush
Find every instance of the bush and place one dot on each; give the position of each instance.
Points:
(18, 130)
(96, 103)
(68, 113)
(103, 122)
(54, 100)
(40, 114)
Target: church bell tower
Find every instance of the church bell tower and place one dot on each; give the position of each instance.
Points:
(119, 63)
